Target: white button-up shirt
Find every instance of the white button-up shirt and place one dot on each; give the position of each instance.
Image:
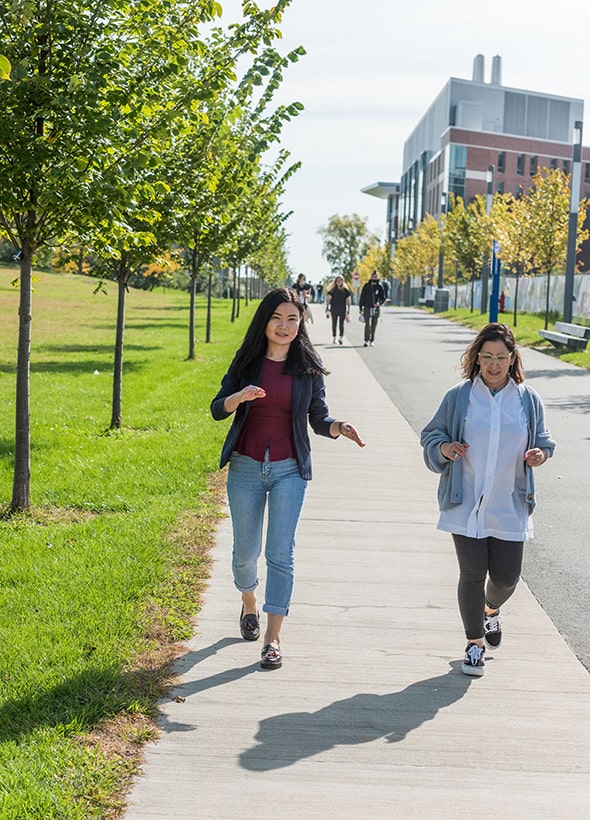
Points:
(494, 484)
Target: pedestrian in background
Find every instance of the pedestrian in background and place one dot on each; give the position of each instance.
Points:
(484, 440)
(275, 386)
(372, 297)
(303, 290)
(338, 306)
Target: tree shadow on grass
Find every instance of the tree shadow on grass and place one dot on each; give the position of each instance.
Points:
(79, 703)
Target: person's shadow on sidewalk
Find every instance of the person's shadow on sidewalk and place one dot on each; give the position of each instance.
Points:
(363, 718)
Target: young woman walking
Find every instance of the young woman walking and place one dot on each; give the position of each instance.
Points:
(274, 386)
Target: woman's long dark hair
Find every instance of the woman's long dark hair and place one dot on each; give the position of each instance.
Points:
(494, 332)
(301, 359)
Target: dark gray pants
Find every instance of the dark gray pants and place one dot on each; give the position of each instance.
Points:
(489, 570)
(371, 319)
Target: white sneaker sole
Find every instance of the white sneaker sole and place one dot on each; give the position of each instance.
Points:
(472, 671)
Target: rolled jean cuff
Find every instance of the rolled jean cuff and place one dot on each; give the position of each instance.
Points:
(275, 610)
(247, 589)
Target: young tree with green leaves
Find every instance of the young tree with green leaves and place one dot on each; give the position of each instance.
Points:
(378, 258)
(346, 240)
(468, 234)
(217, 164)
(510, 217)
(94, 96)
(548, 206)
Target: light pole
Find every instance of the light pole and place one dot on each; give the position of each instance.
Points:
(486, 269)
(572, 229)
(441, 296)
(441, 256)
(495, 297)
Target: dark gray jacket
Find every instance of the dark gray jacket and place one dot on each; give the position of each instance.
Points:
(309, 402)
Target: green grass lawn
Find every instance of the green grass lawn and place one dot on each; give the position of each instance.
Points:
(106, 568)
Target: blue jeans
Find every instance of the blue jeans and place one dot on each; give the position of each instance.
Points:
(250, 484)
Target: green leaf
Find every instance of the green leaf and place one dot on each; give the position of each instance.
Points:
(5, 68)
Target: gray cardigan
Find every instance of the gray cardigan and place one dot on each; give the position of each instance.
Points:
(447, 425)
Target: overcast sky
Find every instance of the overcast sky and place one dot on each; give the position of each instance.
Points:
(371, 71)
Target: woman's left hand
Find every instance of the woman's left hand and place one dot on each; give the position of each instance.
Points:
(348, 431)
(535, 457)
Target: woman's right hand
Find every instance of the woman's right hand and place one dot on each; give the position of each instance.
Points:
(248, 393)
(452, 450)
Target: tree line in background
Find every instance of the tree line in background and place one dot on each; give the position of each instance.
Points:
(531, 232)
(134, 139)
(348, 246)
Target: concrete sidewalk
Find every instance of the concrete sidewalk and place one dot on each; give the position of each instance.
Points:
(370, 715)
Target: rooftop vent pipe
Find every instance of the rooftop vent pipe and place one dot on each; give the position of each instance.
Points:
(478, 68)
(496, 70)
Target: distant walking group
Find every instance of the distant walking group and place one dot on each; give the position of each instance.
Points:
(485, 440)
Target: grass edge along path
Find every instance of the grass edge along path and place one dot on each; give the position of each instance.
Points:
(101, 580)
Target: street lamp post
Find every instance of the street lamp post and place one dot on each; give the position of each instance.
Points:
(441, 256)
(495, 297)
(441, 296)
(486, 268)
(572, 229)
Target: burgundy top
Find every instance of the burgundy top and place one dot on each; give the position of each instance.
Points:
(269, 423)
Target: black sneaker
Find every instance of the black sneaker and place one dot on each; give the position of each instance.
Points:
(492, 629)
(474, 662)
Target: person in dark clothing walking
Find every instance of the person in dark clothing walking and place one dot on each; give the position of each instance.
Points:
(372, 297)
(338, 305)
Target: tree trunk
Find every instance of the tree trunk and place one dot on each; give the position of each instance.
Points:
(239, 284)
(191, 316)
(547, 300)
(233, 301)
(516, 298)
(208, 321)
(117, 405)
(21, 488)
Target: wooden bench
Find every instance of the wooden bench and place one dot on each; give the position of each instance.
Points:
(572, 341)
(570, 329)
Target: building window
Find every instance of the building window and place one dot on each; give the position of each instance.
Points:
(457, 169)
(554, 164)
(534, 165)
(520, 165)
(501, 161)
(587, 172)
(500, 187)
(566, 166)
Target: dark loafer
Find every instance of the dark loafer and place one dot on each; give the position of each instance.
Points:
(271, 657)
(249, 626)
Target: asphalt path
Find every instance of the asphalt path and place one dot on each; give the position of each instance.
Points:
(415, 359)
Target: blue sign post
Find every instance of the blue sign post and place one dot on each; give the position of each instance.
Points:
(495, 295)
